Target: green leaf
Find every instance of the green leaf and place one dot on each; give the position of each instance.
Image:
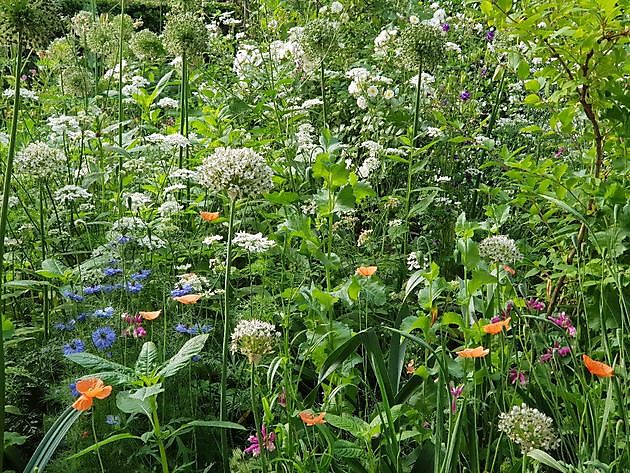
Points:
(522, 71)
(546, 459)
(356, 427)
(324, 298)
(52, 269)
(96, 363)
(108, 440)
(131, 405)
(8, 329)
(191, 348)
(354, 288)
(147, 392)
(51, 440)
(532, 99)
(347, 449)
(12, 438)
(282, 197)
(147, 358)
(480, 278)
(216, 424)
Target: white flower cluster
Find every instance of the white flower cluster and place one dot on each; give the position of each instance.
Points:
(39, 160)
(248, 62)
(365, 86)
(426, 84)
(168, 142)
(167, 102)
(239, 172)
(64, 125)
(529, 428)
(169, 207)
(305, 143)
(135, 84)
(198, 283)
(412, 261)
(136, 200)
(438, 18)
(254, 243)
(371, 163)
(70, 193)
(385, 40)
(499, 249)
(24, 93)
(254, 338)
(210, 240)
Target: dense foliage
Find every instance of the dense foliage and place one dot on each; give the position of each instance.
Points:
(299, 236)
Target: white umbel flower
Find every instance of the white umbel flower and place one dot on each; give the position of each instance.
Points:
(254, 338)
(254, 243)
(70, 193)
(238, 172)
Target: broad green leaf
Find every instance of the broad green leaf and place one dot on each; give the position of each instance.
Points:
(191, 348)
(8, 329)
(216, 424)
(132, 405)
(147, 359)
(346, 449)
(52, 269)
(147, 392)
(96, 363)
(358, 428)
(546, 459)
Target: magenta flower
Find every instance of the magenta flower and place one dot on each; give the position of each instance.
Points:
(556, 348)
(456, 392)
(516, 376)
(465, 95)
(267, 439)
(562, 320)
(535, 304)
(445, 27)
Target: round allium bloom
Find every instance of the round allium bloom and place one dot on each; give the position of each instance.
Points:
(318, 38)
(103, 338)
(422, 45)
(499, 249)
(529, 428)
(254, 338)
(103, 36)
(239, 172)
(76, 81)
(185, 33)
(146, 45)
(36, 20)
(39, 160)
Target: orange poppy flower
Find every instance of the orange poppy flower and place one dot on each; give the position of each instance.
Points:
(150, 315)
(597, 368)
(509, 269)
(478, 352)
(497, 327)
(311, 419)
(188, 298)
(90, 388)
(209, 216)
(366, 271)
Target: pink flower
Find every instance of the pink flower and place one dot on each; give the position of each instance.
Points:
(282, 398)
(562, 320)
(556, 348)
(516, 376)
(535, 304)
(267, 439)
(456, 392)
(139, 332)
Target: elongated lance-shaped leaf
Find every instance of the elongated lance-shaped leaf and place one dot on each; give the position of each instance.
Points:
(96, 363)
(147, 358)
(108, 440)
(51, 440)
(191, 348)
(397, 349)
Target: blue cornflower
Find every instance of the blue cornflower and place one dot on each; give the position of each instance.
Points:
(73, 389)
(74, 346)
(93, 289)
(103, 338)
(112, 420)
(134, 287)
(140, 275)
(73, 296)
(206, 328)
(82, 317)
(112, 271)
(196, 358)
(181, 328)
(60, 326)
(67, 326)
(123, 240)
(105, 313)
(183, 291)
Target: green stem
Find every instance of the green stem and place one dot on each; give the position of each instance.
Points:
(98, 450)
(42, 236)
(119, 173)
(158, 435)
(323, 89)
(257, 424)
(4, 213)
(226, 334)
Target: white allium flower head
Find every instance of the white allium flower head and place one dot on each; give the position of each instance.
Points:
(39, 160)
(254, 243)
(254, 338)
(238, 172)
(529, 428)
(499, 249)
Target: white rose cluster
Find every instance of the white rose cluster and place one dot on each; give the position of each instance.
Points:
(238, 172)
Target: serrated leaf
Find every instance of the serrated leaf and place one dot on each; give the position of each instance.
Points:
(356, 427)
(96, 363)
(346, 449)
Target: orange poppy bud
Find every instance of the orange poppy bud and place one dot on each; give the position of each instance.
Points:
(366, 271)
(150, 315)
(597, 368)
(209, 216)
(509, 269)
(478, 352)
(497, 327)
(311, 419)
(188, 298)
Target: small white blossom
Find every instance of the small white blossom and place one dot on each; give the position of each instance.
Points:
(255, 243)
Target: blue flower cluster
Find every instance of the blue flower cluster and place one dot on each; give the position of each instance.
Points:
(68, 326)
(183, 291)
(105, 313)
(194, 329)
(74, 346)
(73, 296)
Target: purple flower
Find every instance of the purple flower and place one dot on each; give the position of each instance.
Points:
(82, 317)
(556, 348)
(564, 351)
(140, 275)
(445, 27)
(484, 71)
(267, 440)
(183, 291)
(456, 392)
(535, 304)
(562, 320)
(181, 328)
(464, 95)
(103, 338)
(73, 389)
(112, 271)
(73, 296)
(196, 358)
(490, 35)
(516, 376)
(74, 346)
(134, 287)
(139, 332)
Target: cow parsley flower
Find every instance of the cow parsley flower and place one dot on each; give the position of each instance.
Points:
(238, 172)
(529, 428)
(254, 338)
(254, 243)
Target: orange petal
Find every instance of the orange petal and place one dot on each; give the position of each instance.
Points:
(150, 315)
(188, 298)
(598, 368)
(83, 403)
(209, 216)
(497, 327)
(103, 392)
(311, 419)
(86, 385)
(473, 352)
(509, 269)
(366, 271)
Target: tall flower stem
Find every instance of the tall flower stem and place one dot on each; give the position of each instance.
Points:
(226, 335)
(42, 235)
(322, 83)
(4, 213)
(158, 435)
(120, 106)
(257, 424)
(183, 108)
